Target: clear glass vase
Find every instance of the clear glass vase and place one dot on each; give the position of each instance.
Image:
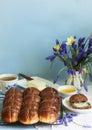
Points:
(76, 80)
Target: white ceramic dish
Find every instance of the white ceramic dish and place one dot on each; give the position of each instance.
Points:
(67, 90)
(67, 105)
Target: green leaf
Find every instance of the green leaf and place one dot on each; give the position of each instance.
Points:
(61, 70)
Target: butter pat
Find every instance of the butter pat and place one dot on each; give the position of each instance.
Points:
(37, 84)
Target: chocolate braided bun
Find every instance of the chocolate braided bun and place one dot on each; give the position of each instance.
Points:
(11, 105)
(49, 105)
(30, 105)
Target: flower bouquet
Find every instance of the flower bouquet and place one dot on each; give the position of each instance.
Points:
(76, 56)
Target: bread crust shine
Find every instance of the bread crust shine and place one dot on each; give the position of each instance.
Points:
(78, 98)
(30, 105)
(49, 105)
(11, 105)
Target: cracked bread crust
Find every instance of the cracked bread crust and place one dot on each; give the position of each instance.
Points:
(78, 98)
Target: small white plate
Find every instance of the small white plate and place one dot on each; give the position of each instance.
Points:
(67, 105)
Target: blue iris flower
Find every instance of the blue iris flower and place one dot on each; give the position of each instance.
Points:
(77, 57)
(65, 63)
(56, 79)
(57, 41)
(74, 45)
(80, 49)
(74, 114)
(65, 121)
(86, 88)
(90, 43)
(71, 71)
(89, 51)
(68, 117)
(87, 126)
(80, 41)
(80, 71)
(82, 46)
(64, 48)
(84, 54)
(51, 58)
(62, 52)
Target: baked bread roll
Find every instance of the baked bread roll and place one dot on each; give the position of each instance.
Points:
(30, 105)
(28, 116)
(79, 101)
(30, 91)
(49, 105)
(48, 90)
(11, 105)
(48, 116)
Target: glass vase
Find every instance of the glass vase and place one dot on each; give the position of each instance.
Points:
(76, 80)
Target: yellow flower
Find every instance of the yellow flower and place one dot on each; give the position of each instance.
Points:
(85, 70)
(70, 40)
(56, 47)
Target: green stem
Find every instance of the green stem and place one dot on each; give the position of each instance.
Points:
(77, 123)
(87, 40)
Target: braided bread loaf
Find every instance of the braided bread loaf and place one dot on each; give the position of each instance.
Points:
(11, 105)
(30, 105)
(49, 105)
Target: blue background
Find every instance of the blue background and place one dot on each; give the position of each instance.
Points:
(29, 28)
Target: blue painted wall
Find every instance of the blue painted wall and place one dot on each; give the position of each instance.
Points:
(29, 28)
